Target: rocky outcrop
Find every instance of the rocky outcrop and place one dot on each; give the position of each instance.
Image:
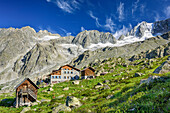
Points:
(164, 67)
(126, 51)
(121, 37)
(72, 102)
(86, 38)
(150, 29)
(161, 26)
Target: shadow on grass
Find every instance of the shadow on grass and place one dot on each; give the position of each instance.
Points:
(7, 102)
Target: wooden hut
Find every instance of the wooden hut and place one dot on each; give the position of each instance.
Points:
(26, 93)
(88, 72)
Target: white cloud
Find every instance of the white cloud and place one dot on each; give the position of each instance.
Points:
(82, 28)
(95, 18)
(142, 8)
(135, 6)
(122, 31)
(167, 11)
(157, 17)
(109, 24)
(48, 0)
(68, 6)
(120, 10)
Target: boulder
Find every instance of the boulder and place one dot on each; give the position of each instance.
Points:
(149, 80)
(61, 96)
(100, 84)
(109, 97)
(45, 100)
(25, 109)
(44, 91)
(85, 98)
(50, 89)
(72, 102)
(60, 108)
(106, 81)
(66, 88)
(105, 87)
(138, 74)
(164, 67)
(76, 82)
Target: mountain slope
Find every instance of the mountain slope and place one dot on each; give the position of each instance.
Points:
(24, 52)
(123, 51)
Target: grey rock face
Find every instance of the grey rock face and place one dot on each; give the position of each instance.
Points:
(164, 67)
(86, 38)
(127, 51)
(60, 108)
(121, 37)
(161, 26)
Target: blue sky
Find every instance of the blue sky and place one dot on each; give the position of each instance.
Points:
(67, 17)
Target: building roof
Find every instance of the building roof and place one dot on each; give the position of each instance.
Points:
(29, 81)
(89, 68)
(69, 66)
(56, 72)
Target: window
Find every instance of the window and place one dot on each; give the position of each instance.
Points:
(60, 77)
(64, 77)
(52, 76)
(68, 77)
(71, 72)
(64, 72)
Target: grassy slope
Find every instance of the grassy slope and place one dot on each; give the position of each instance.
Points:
(128, 95)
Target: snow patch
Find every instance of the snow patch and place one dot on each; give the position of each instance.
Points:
(48, 37)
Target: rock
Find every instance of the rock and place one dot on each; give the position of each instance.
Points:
(44, 91)
(121, 37)
(97, 86)
(76, 82)
(51, 85)
(34, 103)
(164, 67)
(72, 102)
(106, 87)
(89, 111)
(60, 108)
(109, 97)
(138, 74)
(143, 81)
(25, 109)
(66, 88)
(149, 80)
(61, 96)
(45, 100)
(100, 84)
(86, 38)
(106, 81)
(50, 89)
(85, 98)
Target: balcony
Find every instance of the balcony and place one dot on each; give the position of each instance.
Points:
(28, 91)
